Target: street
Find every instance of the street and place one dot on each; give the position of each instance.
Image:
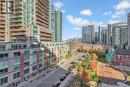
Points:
(56, 75)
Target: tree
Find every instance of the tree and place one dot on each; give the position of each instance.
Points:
(69, 54)
(81, 49)
(85, 63)
(101, 56)
(78, 81)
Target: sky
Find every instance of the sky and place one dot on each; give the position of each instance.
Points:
(77, 13)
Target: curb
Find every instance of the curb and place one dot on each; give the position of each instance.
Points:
(121, 71)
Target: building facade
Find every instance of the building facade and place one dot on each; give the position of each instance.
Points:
(88, 34)
(103, 34)
(56, 24)
(25, 20)
(58, 31)
(121, 59)
(109, 34)
(53, 21)
(4, 20)
(33, 20)
(128, 21)
(25, 25)
(96, 37)
(20, 62)
(119, 34)
(59, 49)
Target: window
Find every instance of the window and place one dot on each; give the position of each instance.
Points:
(3, 71)
(26, 52)
(14, 46)
(17, 60)
(16, 83)
(40, 65)
(40, 54)
(26, 71)
(3, 80)
(17, 67)
(34, 52)
(26, 63)
(26, 58)
(4, 64)
(3, 56)
(16, 75)
(40, 59)
(2, 47)
(24, 46)
(34, 67)
(16, 53)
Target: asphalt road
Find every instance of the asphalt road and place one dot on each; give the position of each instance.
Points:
(53, 78)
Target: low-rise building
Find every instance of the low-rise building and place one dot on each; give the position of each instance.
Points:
(59, 49)
(20, 62)
(122, 59)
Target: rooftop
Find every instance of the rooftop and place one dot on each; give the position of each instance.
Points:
(123, 52)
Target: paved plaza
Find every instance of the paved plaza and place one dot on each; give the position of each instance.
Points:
(109, 72)
(111, 76)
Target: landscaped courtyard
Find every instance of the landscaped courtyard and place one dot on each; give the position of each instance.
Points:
(95, 69)
(109, 74)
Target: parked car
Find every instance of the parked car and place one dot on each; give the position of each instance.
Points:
(70, 68)
(67, 73)
(83, 56)
(73, 66)
(57, 84)
(72, 63)
(63, 78)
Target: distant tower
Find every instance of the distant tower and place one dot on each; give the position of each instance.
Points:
(103, 34)
(88, 34)
(56, 24)
(58, 31)
(128, 20)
